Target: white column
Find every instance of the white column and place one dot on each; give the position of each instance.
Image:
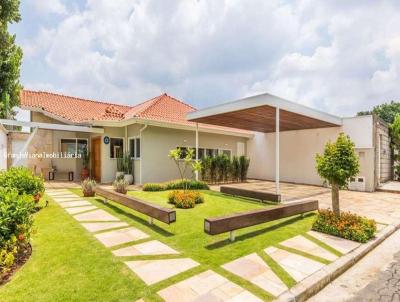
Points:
(197, 148)
(278, 191)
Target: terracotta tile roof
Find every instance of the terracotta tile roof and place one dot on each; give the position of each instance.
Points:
(163, 108)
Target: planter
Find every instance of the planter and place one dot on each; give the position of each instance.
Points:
(84, 173)
(118, 175)
(128, 178)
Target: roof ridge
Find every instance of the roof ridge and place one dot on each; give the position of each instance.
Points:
(78, 98)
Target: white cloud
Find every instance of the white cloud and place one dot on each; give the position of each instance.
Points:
(342, 57)
(49, 7)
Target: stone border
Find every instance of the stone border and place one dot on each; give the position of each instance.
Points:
(317, 281)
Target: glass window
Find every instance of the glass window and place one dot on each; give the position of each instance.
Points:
(226, 152)
(138, 148)
(82, 146)
(116, 147)
(134, 147)
(201, 153)
(68, 146)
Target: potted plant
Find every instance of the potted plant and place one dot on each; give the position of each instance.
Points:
(120, 168)
(128, 166)
(88, 186)
(85, 163)
(120, 186)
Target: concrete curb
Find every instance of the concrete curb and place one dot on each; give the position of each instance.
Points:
(317, 281)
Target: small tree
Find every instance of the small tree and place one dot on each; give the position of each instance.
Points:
(337, 165)
(183, 161)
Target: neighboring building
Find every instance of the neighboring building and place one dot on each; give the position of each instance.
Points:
(147, 131)
(3, 147)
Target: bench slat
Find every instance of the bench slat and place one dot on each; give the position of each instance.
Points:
(229, 223)
(157, 212)
(250, 193)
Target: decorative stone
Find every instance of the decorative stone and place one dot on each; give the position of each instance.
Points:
(121, 236)
(208, 287)
(303, 244)
(98, 215)
(153, 247)
(256, 271)
(297, 266)
(340, 244)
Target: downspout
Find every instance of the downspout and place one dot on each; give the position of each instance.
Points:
(141, 153)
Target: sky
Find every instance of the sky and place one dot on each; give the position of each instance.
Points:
(339, 56)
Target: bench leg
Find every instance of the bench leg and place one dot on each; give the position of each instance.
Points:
(150, 220)
(231, 236)
(302, 215)
(105, 200)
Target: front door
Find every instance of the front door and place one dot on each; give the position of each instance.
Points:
(96, 158)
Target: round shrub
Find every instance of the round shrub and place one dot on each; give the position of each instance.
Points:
(120, 186)
(23, 180)
(185, 199)
(88, 186)
(154, 187)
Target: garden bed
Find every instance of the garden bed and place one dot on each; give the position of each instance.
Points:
(20, 259)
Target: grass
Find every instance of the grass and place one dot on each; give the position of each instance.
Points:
(69, 264)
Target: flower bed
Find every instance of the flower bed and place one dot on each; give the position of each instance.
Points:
(185, 199)
(347, 225)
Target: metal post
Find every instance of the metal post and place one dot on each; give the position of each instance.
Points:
(150, 220)
(277, 150)
(197, 148)
(105, 200)
(231, 236)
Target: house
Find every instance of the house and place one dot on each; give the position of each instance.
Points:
(146, 131)
(249, 126)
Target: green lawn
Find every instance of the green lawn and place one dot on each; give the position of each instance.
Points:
(69, 264)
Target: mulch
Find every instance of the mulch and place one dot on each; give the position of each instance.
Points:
(22, 256)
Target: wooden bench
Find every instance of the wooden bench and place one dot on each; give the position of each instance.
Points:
(153, 211)
(250, 193)
(230, 223)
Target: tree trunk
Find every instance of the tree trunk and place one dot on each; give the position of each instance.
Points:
(335, 199)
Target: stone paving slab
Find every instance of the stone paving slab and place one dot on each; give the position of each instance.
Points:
(67, 198)
(121, 236)
(77, 210)
(153, 247)
(253, 268)
(102, 226)
(208, 287)
(153, 271)
(297, 266)
(342, 245)
(97, 215)
(78, 203)
(58, 192)
(305, 245)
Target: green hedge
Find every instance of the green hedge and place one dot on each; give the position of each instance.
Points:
(176, 185)
(23, 180)
(347, 225)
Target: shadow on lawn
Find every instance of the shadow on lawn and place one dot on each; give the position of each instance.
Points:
(219, 244)
(140, 220)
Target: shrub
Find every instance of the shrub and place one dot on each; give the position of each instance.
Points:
(154, 187)
(88, 186)
(185, 199)
(346, 225)
(186, 183)
(16, 221)
(120, 186)
(23, 180)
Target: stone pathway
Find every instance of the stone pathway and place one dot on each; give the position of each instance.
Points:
(153, 247)
(153, 271)
(255, 270)
(94, 227)
(97, 215)
(208, 287)
(297, 266)
(342, 245)
(305, 245)
(121, 236)
(77, 210)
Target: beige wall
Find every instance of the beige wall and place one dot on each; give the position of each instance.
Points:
(157, 141)
(298, 150)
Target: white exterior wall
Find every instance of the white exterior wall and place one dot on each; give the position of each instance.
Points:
(3, 149)
(298, 150)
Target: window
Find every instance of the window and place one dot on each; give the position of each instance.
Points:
(226, 152)
(73, 146)
(134, 147)
(116, 147)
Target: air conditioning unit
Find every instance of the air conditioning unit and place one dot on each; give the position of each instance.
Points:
(357, 183)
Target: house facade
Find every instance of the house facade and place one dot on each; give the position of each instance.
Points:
(148, 131)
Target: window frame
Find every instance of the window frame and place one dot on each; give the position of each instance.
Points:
(135, 139)
(221, 151)
(123, 145)
(75, 155)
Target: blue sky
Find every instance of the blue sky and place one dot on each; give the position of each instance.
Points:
(336, 56)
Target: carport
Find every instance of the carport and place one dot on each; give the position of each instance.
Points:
(268, 114)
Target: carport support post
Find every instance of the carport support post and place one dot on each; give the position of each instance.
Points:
(277, 150)
(197, 148)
